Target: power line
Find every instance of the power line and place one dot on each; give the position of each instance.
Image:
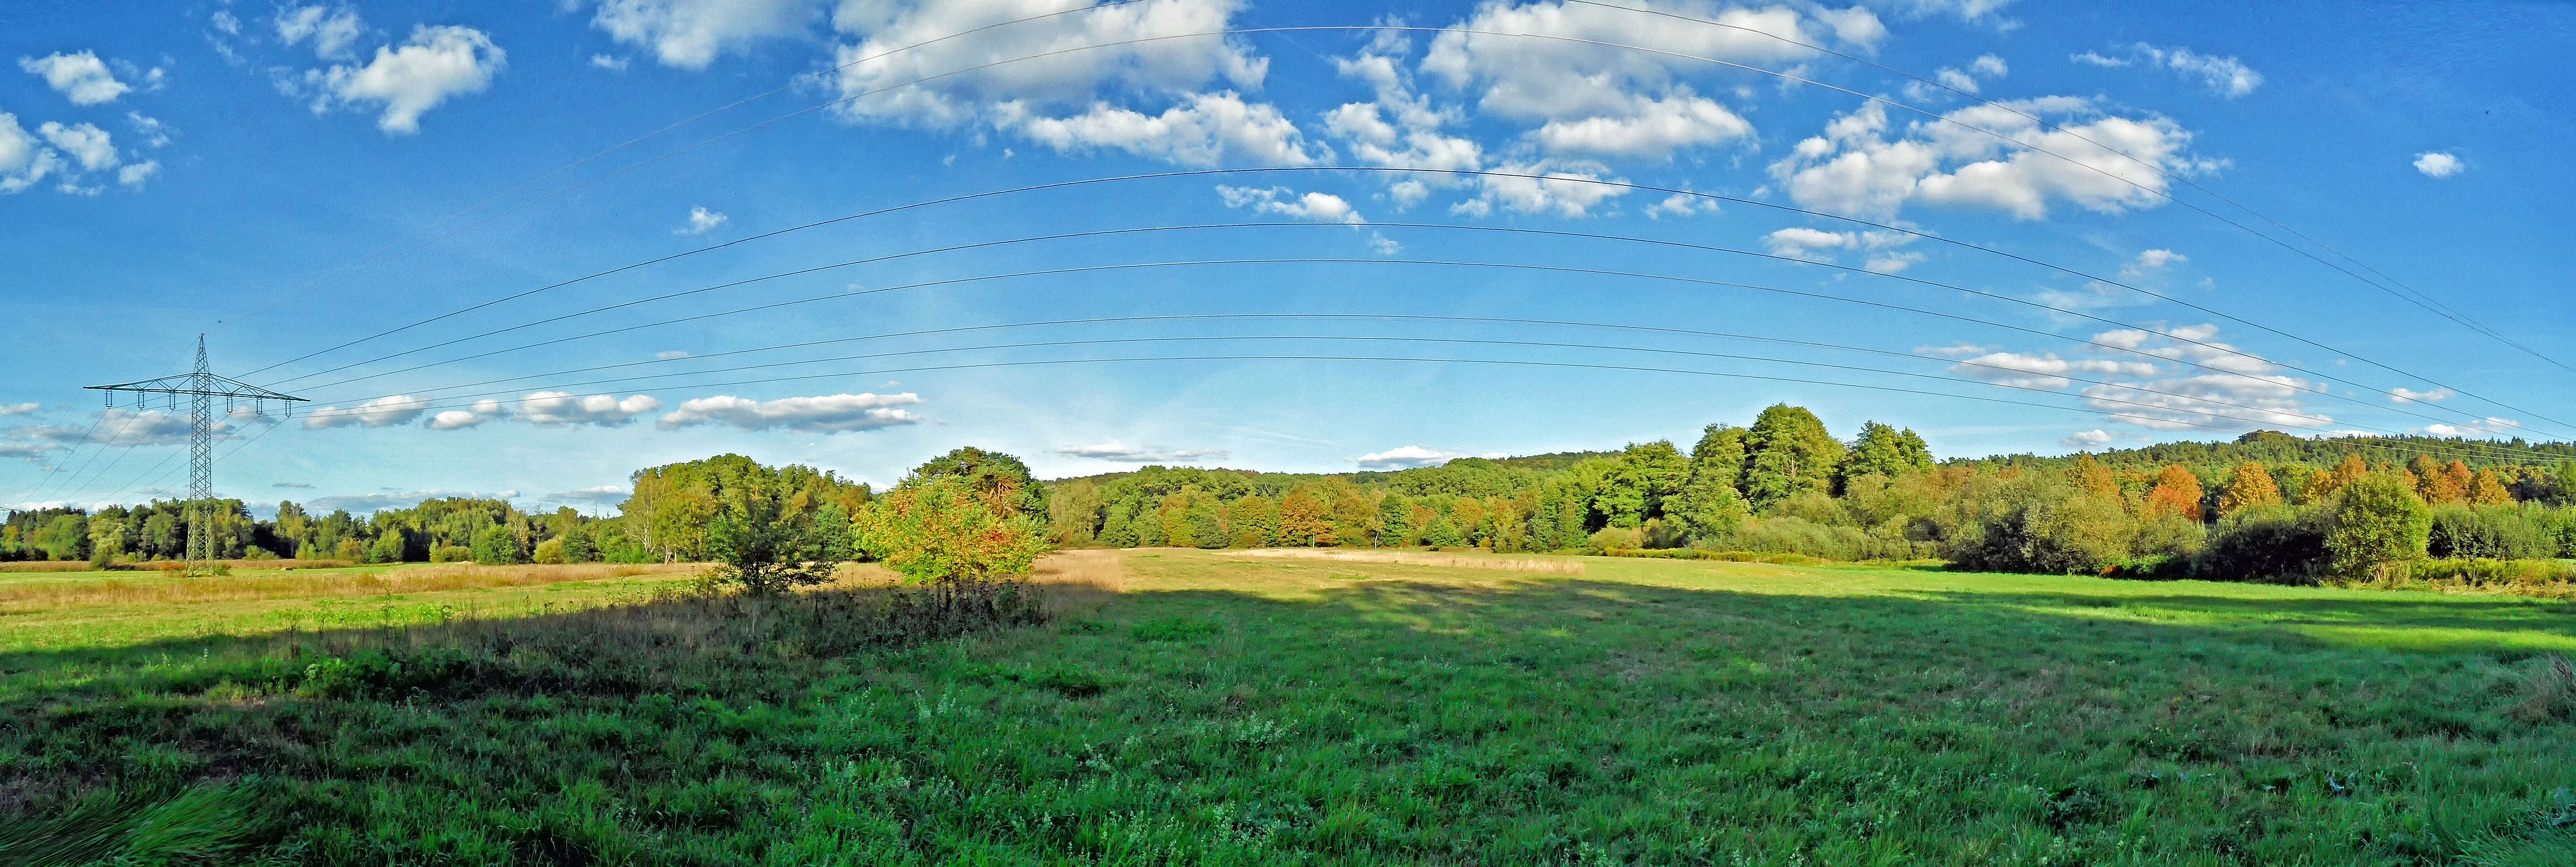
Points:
(2227, 371)
(414, 404)
(361, 262)
(1462, 172)
(2418, 297)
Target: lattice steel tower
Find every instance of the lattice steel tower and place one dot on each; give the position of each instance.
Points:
(201, 386)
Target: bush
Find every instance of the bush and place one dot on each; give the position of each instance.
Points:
(2375, 525)
(2504, 533)
(2079, 534)
(449, 554)
(550, 551)
(2480, 572)
(2280, 544)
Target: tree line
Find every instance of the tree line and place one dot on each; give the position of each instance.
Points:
(2266, 506)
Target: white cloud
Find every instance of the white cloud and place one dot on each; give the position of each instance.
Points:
(2487, 428)
(364, 504)
(701, 221)
(2436, 164)
(1654, 128)
(1681, 205)
(2402, 394)
(7, 409)
(2149, 262)
(824, 414)
(460, 419)
(88, 145)
(1138, 454)
(435, 63)
(116, 426)
(82, 78)
(556, 408)
(688, 34)
(1400, 128)
(1516, 76)
(1205, 130)
(1559, 187)
(334, 32)
(1319, 207)
(1968, 81)
(2088, 439)
(30, 452)
(154, 133)
(2224, 76)
(134, 175)
(601, 495)
(1143, 51)
(607, 62)
(1406, 457)
(670, 354)
(381, 412)
(24, 160)
(2027, 370)
(226, 23)
(1956, 350)
(1805, 243)
(1971, 11)
(1856, 168)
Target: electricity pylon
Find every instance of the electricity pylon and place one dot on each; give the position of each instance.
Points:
(201, 386)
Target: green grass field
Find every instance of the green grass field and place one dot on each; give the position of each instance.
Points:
(1184, 707)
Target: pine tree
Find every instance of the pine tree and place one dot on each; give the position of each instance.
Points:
(2251, 487)
(1787, 453)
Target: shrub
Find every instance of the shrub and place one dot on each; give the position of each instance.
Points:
(2375, 524)
(941, 531)
(550, 551)
(2081, 533)
(2276, 543)
(2170, 536)
(2492, 533)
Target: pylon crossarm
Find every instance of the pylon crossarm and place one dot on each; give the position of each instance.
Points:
(187, 383)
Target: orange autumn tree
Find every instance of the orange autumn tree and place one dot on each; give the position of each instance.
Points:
(2351, 470)
(2487, 489)
(2177, 491)
(2251, 487)
(2091, 477)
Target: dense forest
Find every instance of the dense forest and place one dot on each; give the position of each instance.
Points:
(2265, 506)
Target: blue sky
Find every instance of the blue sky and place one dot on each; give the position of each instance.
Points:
(288, 178)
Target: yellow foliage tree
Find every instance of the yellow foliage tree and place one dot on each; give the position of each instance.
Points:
(2091, 477)
(2487, 489)
(2251, 487)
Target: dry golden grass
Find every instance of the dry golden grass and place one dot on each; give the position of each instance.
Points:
(1541, 565)
(138, 588)
(46, 566)
(1100, 568)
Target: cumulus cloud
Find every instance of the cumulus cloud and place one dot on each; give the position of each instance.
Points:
(65, 153)
(385, 411)
(558, 408)
(689, 34)
(1877, 246)
(1407, 457)
(1204, 130)
(152, 130)
(434, 64)
(81, 78)
(2488, 428)
(460, 419)
(1319, 207)
(1563, 188)
(24, 160)
(1190, 87)
(115, 426)
(601, 495)
(2149, 262)
(701, 221)
(2028, 370)
(1400, 128)
(87, 145)
(367, 504)
(2094, 160)
(1968, 81)
(1680, 205)
(1116, 453)
(2087, 439)
(2228, 389)
(2402, 394)
(608, 62)
(333, 32)
(835, 413)
(8, 409)
(2436, 164)
(2224, 76)
(1596, 100)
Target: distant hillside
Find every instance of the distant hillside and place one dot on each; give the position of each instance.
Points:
(2214, 459)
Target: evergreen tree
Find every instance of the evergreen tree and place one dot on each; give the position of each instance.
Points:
(1787, 453)
(1882, 450)
(1395, 521)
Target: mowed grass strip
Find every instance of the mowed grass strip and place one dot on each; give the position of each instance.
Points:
(1206, 708)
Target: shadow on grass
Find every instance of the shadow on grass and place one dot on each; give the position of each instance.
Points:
(1399, 721)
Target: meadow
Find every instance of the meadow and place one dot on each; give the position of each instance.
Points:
(1173, 706)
